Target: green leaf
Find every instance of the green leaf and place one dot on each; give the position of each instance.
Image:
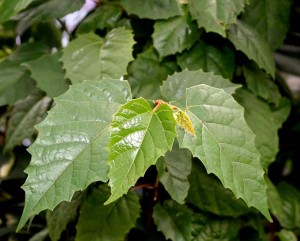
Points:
(40, 236)
(89, 57)
(139, 136)
(247, 40)
(183, 35)
(25, 115)
(264, 122)
(15, 83)
(153, 9)
(208, 194)
(106, 16)
(225, 144)
(221, 229)
(261, 84)
(290, 199)
(70, 151)
(286, 235)
(173, 170)
(146, 74)
(269, 18)
(216, 16)
(9, 8)
(174, 87)
(48, 10)
(98, 222)
(58, 219)
(173, 220)
(47, 71)
(210, 58)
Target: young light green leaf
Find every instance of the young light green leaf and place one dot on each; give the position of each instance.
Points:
(98, 222)
(153, 9)
(70, 151)
(208, 194)
(221, 229)
(265, 122)
(261, 84)
(90, 57)
(183, 35)
(25, 115)
(210, 58)
(247, 40)
(48, 72)
(290, 199)
(173, 170)
(216, 16)
(225, 144)
(139, 136)
(9, 8)
(58, 219)
(146, 74)
(286, 235)
(173, 220)
(269, 18)
(174, 87)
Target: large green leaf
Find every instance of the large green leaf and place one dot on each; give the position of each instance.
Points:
(25, 115)
(70, 151)
(210, 58)
(173, 220)
(139, 136)
(90, 57)
(47, 71)
(15, 83)
(9, 8)
(264, 122)
(98, 222)
(208, 194)
(153, 9)
(173, 170)
(247, 40)
(174, 87)
(58, 219)
(216, 16)
(269, 18)
(183, 35)
(224, 143)
(261, 84)
(221, 229)
(147, 73)
(290, 199)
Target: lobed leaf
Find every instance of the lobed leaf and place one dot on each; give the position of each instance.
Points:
(173, 170)
(90, 57)
(225, 144)
(216, 16)
(98, 222)
(174, 87)
(183, 35)
(139, 136)
(247, 40)
(173, 220)
(48, 72)
(70, 151)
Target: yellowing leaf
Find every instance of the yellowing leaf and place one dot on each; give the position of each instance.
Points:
(184, 121)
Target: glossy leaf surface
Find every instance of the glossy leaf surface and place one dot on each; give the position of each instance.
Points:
(139, 136)
(70, 151)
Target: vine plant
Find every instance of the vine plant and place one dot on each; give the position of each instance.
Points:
(164, 118)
